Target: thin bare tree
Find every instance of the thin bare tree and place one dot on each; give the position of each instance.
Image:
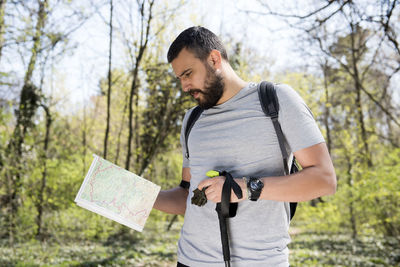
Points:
(2, 24)
(146, 17)
(109, 81)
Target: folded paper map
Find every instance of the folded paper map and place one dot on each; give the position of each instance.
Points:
(117, 194)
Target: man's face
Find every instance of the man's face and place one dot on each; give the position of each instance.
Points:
(199, 79)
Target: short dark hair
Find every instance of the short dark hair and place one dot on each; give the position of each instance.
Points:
(199, 41)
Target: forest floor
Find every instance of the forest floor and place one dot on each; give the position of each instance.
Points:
(159, 249)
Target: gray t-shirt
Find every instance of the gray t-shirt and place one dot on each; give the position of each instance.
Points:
(236, 136)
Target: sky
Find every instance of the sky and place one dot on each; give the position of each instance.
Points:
(81, 72)
(76, 77)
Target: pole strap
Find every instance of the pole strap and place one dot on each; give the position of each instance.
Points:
(226, 209)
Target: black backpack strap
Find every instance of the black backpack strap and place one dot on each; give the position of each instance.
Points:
(196, 112)
(270, 106)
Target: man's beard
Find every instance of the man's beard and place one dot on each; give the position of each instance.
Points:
(213, 89)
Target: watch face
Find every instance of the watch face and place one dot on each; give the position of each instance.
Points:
(256, 185)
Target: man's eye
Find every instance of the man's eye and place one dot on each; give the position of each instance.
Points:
(188, 74)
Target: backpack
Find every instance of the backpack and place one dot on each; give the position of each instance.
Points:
(270, 106)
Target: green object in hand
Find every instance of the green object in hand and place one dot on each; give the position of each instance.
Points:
(199, 196)
(212, 173)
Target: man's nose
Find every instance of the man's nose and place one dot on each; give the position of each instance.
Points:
(185, 86)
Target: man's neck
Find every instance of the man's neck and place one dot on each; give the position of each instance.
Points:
(233, 84)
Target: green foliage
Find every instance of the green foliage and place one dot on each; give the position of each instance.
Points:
(379, 190)
(76, 223)
(156, 247)
(165, 107)
(166, 170)
(374, 200)
(25, 222)
(323, 218)
(247, 63)
(308, 87)
(310, 249)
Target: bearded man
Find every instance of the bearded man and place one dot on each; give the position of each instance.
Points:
(233, 133)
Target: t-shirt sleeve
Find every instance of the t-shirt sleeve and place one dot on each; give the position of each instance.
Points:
(186, 162)
(298, 124)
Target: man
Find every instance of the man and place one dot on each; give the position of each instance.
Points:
(234, 134)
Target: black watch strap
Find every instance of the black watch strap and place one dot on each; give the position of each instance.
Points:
(184, 184)
(255, 195)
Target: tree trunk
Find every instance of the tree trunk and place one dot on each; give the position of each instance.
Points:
(327, 107)
(130, 116)
(353, 222)
(174, 218)
(109, 82)
(2, 25)
(119, 135)
(84, 141)
(142, 47)
(40, 203)
(29, 100)
(389, 32)
(36, 40)
(137, 136)
(357, 87)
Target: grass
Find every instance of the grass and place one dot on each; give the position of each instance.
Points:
(153, 247)
(310, 249)
(157, 247)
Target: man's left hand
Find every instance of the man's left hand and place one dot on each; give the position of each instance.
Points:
(214, 190)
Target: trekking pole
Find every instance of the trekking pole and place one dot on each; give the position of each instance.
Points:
(225, 209)
(224, 236)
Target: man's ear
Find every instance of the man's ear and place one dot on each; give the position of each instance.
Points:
(215, 59)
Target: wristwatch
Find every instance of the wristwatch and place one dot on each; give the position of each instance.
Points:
(254, 187)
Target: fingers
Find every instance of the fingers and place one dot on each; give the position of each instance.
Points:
(211, 182)
(213, 188)
(205, 183)
(213, 196)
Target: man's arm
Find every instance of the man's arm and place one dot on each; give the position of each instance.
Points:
(174, 200)
(316, 179)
